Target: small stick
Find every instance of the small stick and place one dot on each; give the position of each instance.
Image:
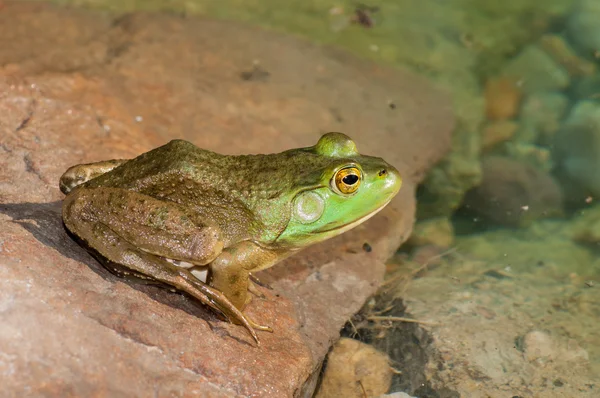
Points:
(401, 319)
(419, 269)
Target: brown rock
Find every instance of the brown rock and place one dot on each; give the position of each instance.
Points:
(502, 98)
(497, 132)
(355, 369)
(77, 86)
(514, 193)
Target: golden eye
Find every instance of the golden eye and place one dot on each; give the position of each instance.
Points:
(347, 180)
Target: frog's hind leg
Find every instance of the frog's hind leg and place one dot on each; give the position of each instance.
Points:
(81, 173)
(125, 259)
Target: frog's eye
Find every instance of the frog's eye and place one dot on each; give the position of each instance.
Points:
(347, 180)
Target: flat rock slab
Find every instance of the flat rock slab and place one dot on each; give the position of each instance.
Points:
(79, 86)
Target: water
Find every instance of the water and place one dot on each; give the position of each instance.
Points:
(507, 264)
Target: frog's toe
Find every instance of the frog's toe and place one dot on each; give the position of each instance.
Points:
(259, 327)
(254, 290)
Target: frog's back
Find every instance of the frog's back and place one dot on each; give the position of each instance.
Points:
(176, 158)
(246, 177)
(254, 189)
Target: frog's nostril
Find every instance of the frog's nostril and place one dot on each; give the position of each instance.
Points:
(382, 172)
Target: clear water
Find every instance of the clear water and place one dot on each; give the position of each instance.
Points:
(522, 249)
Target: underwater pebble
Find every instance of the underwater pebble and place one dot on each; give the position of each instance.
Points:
(434, 231)
(561, 51)
(497, 132)
(541, 115)
(397, 395)
(507, 186)
(502, 98)
(577, 149)
(537, 71)
(583, 29)
(538, 346)
(534, 155)
(587, 87)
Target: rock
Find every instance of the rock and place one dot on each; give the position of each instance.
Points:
(502, 98)
(562, 53)
(586, 226)
(80, 86)
(538, 346)
(582, 28)
(534, 155)
(443, 190)
(506, 355)
(355, 369)
(541, 116)
(430, 255)
(397, 395)
(586, 88)
(437, 231)
(514, 193)
(576, 151)
(536, 71)
(495, 133)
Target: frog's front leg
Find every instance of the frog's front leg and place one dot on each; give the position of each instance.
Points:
(133, 234)
(81, 173)
(230, 272)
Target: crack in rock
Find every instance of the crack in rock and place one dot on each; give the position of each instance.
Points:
(30, 168)
(30, 112)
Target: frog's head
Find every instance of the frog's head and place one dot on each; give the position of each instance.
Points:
(346, 189)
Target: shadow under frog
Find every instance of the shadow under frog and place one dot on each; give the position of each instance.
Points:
(44, 222)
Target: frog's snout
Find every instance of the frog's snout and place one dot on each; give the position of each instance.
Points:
(391, 179)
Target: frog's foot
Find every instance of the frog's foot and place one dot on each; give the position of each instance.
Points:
(117, 254)
(254, 290)
(259, 327)
(81, 173)
(259, 282)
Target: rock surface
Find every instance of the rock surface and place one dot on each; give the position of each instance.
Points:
(78, 86)
(355, 370)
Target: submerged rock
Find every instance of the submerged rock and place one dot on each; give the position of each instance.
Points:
(502, 98)
(559, 49)
(576, 151)
(495, 133)
(541, 115)
(537, 71)
(436, 231)
(514, 193)
(583, 29)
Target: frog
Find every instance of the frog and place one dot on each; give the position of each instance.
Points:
(203, 223)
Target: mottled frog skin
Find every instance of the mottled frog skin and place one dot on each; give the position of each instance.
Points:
(178, 212)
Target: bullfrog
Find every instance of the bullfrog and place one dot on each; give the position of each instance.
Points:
(202, 223)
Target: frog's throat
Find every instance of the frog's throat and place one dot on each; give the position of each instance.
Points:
(345, 227)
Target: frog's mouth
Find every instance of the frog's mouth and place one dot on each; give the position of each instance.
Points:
(345, 227)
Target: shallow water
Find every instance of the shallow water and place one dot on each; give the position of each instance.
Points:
(510, 222)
